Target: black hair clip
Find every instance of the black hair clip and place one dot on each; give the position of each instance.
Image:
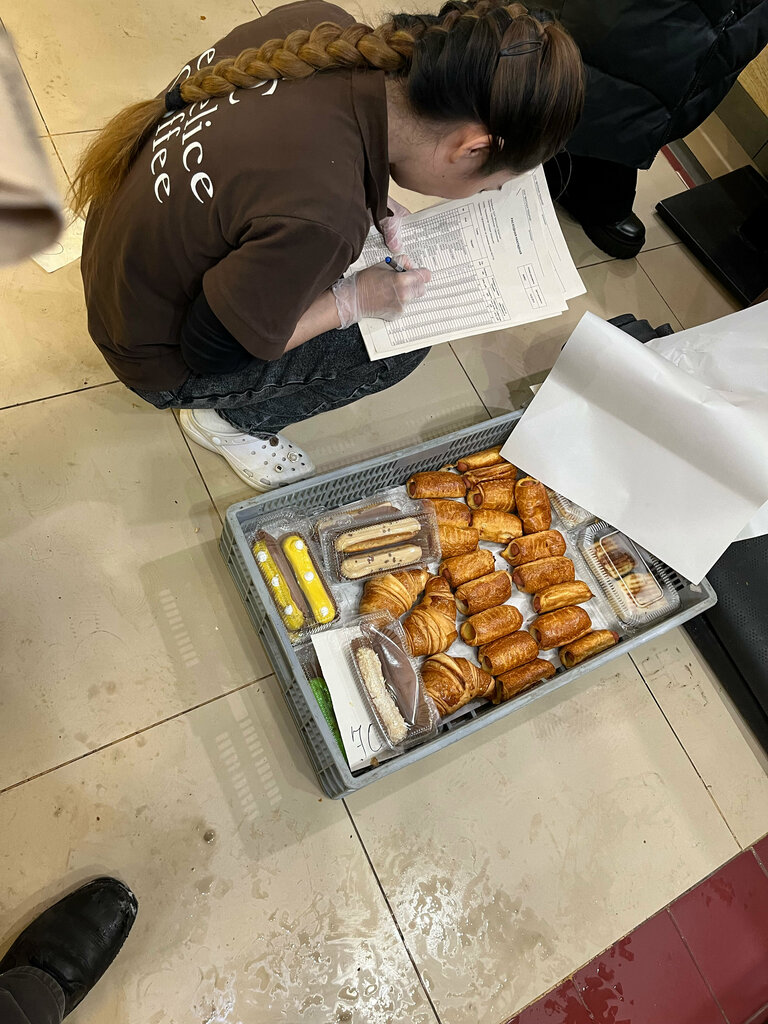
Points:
(521, 47)
(173, 99)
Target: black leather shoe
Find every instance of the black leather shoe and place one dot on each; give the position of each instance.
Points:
(77, 938)
(623, 239)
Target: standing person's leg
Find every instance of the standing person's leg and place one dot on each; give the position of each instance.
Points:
(257, 402)
(600, 195)
(30, 996)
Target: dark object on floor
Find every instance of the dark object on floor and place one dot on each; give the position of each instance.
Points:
(599, 195)
(732, 635)
(640, 330)
(725, 225)
(76, 939)
(623, 238)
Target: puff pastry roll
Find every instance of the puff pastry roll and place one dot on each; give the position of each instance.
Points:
(493, 494)
(462, 568)
(545, 572)
(454, 540)
(547, 544)
(436, 485)
(561, 595)
(533, 505)
(491, 624)
(588, 646)
(556, 629)
(511, 683)
(507, 653)
(453, 513)
(499, 527)
(486, 592)
(488, 457)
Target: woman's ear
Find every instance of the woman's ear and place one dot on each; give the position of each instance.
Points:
(472, 143)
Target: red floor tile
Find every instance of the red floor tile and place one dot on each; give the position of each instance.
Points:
(761, 849)
(647, 978)
(560, 1006)
(725, 924)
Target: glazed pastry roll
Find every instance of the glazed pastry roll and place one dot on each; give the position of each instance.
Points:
(454, 682)
(555, 629)
(545, 572)
(280, 581)
(561, 595)
(547, 544)
(436, 485)
(394, 592)
(508, 652)
(489, 457)
(486, 592)
(511, 683)
(453, 513)
(587, 646)
(501, 471)
(457, 541)
(493, 494)
(499, 527)
(462, 568)
(491, 624)
(533, 505)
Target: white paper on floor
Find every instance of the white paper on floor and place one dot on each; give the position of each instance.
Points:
(66, 249)
(677, 464)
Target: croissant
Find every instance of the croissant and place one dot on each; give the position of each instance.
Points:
(429, 631)
(394, 592)
(438, 596)
(454, 682)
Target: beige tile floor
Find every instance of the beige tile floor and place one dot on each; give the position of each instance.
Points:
(143, 735)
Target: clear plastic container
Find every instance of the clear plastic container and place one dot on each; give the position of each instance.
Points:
(383, 534)
(570, 514)
(389, 681)
(637, 585)
(291, 568)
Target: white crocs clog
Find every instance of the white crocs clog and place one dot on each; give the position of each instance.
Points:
(261, 462)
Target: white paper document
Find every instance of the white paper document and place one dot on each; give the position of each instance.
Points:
(498, 260)
(730, 355)
(360, 732)
(66, 249)
(678, 465)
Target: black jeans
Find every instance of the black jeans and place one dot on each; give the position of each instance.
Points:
(326, 373)
(30, 996)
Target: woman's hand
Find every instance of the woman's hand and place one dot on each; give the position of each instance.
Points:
(390, 226)
(379, 292)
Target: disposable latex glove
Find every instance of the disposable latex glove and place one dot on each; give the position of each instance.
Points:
(379, 292)
(390, 226)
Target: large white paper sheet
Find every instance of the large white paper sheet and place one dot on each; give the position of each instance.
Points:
(642, 443)
(498, 260)
(730, 355)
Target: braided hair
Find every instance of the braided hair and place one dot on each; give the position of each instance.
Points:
(485, 62)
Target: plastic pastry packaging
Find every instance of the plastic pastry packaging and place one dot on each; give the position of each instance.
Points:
(389, 681)
(568, 512)
(386, 533)
(305, 652)
(290, 566)
(638, 586)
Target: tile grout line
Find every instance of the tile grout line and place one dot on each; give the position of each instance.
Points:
(695, 963)
(59, 394)
(683, 748)
(678, 321)
(471, 382)
(130, 735)
(391, 911)
(197, 467)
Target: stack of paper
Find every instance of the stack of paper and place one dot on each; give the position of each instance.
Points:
(498, 260)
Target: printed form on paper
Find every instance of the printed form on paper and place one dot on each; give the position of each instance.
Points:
(498, 260)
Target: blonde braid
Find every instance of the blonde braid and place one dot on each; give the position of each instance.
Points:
(301, 54)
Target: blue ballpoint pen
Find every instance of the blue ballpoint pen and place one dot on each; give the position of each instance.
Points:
(392, 262)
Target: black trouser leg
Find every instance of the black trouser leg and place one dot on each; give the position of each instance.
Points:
(30, 996)
(594, 191)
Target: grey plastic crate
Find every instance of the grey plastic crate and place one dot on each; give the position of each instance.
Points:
(349, 484)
